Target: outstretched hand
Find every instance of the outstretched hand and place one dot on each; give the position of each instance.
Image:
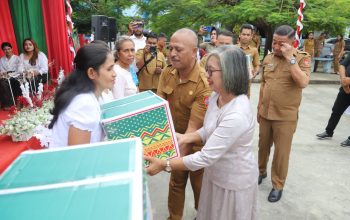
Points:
(155, 165)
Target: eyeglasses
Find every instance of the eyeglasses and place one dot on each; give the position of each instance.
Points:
(210, 72)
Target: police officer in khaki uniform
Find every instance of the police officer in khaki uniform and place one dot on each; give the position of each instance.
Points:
(338, 52)
(185, 87)
(286, 71)
(150, 64)
(245, 38)
(225, 37)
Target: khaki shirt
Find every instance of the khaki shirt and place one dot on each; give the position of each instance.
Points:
(338, 47)
(309, 45)
(187, 100)
(147, 78)
(281, 95)
(255, 42)
(253, 53)
(203, 61)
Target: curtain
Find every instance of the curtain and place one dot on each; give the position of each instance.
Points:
(28, 22)
(7, 33)
(54, 16)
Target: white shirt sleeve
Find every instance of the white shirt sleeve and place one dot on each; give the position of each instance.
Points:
(42, 65)
(224, 136)
(119, 87)
(82, 113)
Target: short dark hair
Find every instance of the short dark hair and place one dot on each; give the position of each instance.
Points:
(152, 35)
(162, 35)
(226, 33)
(5, 44)
(285, 30)
(246, 26)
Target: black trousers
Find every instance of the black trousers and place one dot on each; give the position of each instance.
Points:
(342, 102)
(5, 92)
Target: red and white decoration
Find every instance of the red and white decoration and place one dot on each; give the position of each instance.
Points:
(299, 24)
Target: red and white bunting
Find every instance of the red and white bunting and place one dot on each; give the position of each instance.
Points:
(299, 24)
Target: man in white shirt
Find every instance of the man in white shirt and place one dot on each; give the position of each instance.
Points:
(8, 64)
(135, 29)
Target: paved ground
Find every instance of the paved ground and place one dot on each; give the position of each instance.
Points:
(318, 183)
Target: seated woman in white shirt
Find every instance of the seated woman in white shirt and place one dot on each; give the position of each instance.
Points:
(34, 62)
(76, 114)
(124, 56)
(229, 187)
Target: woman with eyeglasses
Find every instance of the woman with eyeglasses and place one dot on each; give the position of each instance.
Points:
(229, 187)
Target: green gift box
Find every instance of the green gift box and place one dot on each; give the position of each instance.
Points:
(94, 181)
(143, 115)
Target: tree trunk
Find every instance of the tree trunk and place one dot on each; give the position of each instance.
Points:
(268, 42)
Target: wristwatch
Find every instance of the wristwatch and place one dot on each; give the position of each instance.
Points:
(293, 61)
(168, 167)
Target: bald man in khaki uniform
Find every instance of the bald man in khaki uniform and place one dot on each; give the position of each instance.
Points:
(185, 87)
(286, 72)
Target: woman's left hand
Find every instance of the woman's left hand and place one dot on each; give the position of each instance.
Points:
(155, 165)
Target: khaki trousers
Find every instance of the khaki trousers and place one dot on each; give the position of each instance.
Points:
(336, 64)
(177, 186)
(279, 133)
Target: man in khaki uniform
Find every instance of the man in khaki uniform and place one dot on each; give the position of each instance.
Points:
(286, 71)
(245, 38)
(185, 86)
(150, 64)
(225, 37)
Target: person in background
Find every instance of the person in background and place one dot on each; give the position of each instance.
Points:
(124, 56)
(255, 42)
(319, 44)
(341, 103)
(309, 44)
(8, 67)
(338, 52)
(209, 46)
(76, 112)
(224, 38)
(230, 187)
(161, 44)
(34, 63)
(135, 31)
(150, 64)
(286, 71)
(245, 36)
(184, 85)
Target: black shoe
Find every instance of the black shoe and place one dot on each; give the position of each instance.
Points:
(324, 135)
(275, 195)
(345, 143)
(261, 177)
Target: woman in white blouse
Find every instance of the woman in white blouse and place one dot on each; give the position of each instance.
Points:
(76, 114)
(124, 56)
(229, 188)
(33, 61)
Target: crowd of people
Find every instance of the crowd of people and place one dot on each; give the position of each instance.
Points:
(207, 86)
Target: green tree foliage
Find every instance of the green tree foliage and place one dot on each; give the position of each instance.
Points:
(83, 9)
(331, 16)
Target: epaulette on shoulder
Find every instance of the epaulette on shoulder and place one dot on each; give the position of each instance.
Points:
(302, 52)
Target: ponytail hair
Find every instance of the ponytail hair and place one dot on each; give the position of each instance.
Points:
(78, 82)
